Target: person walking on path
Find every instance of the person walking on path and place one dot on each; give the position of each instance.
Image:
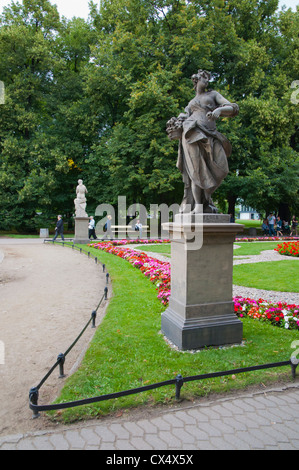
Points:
(91, 228)
(138, 228)
(265, 227)
(59, 228)
(279, 227)
(294, 226)
(271, 222)
(108, 228)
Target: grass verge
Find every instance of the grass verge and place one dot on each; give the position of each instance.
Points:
(254, 248)
(129, 351)
(164, 249)
(246, 249)
(281, 276)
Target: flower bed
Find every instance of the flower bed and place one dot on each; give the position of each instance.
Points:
(137, 241)
(264, 239)
(288, 249)
(278, 314)
(157, 271)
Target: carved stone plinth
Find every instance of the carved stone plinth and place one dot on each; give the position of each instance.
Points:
(201, 309)
(81, 230)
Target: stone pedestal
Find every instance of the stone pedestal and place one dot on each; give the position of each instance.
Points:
(81, 230)
(201, 309)
(44, 233)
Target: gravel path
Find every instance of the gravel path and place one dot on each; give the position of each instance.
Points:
(47, 296)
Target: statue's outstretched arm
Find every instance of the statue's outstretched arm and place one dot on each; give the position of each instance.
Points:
(225, 108)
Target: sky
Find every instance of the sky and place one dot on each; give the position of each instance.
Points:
(80, 8)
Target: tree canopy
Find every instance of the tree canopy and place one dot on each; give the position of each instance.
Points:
(91, 99)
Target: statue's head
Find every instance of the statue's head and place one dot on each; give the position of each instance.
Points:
(201, 75)
(80, 181)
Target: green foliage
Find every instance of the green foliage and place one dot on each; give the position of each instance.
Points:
(92, 98)
(40, 140)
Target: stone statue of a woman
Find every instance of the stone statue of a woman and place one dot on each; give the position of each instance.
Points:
(80, 201)
(203, 151)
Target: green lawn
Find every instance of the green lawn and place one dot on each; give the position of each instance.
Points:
(282, 276)
(253, 248)
(129, 351)
(246, 248)
(13, 235)
(163, 249)
(279, 276)
(250, 223)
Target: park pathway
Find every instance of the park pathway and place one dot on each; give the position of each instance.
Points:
(267, 419)
(47, 296)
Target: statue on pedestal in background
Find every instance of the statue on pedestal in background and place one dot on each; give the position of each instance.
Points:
(2, 93)
(80, 201)
(203, 151)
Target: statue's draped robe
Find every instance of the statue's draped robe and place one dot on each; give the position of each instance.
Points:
(203, 151)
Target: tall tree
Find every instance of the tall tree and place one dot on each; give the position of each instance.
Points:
(92, 98)
(27, 163)
(261, 82)
(42, 138)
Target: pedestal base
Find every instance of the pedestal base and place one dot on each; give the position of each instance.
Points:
(195, 333)
(201, 309)
(43, 233)
(81, 230)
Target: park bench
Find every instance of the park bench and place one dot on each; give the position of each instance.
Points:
(128, 229)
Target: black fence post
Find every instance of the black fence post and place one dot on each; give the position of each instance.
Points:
(178, 385)
(294, 364)
(104, 268)
(93, 315)
(107, 278)
(106, 293)
(61, 360)
(33, 397)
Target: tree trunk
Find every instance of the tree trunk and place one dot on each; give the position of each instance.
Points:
(231, 199)
(284, 211)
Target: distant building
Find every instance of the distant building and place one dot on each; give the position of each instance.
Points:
(247, 213)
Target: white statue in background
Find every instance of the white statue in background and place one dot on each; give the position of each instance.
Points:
(2, 91)
(80, 201)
